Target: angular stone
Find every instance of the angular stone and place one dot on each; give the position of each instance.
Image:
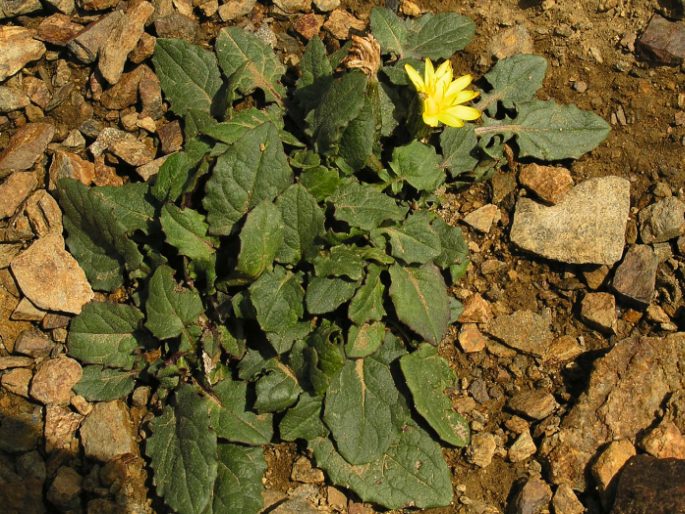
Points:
(21, 423)
(535, 404)
(482, 449)
(482, 218)
(25, 147)
(69, 165)
(54, 379)
(326, 5)
(58, 29)
(608, 465)
(170, 137)
(549, 183)
(61, 425)
(150, 93)
(523, 330)
(626, 388)
(665, 441)
(27, 311)
(17, 381)
(87, 44)
(33, 343)
(522, 448)
(149, 170)
(132, 150)
(595, 277)
(234, 9)
(635, 277)
(586, 227)
(662, 221)
(177, 26)
(308, 25)
(292, 6)
(304, 472)
(598, 310)
(532, 498)
(14, 361)
(97, 5)
(12, 99)
(565, 501)
(650, 485)
(15, 190)
(65, 490)
(37, 91)
(663, 41)
(340, 22)
(126, 477)
(43, 214)
(471, 339)
(108, 431)
(144, 48)
(63, 6)
(50, 277)
(476, 310)
(125, 92)
(105, 139)
(19, 49)
(12, 8)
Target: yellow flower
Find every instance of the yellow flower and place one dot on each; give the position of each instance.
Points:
(443, 95)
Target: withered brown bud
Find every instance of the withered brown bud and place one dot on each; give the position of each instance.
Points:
(365, 54)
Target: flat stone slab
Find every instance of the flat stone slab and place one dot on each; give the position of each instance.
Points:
(587, 227)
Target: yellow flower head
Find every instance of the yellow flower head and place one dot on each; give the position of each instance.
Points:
(443, 95)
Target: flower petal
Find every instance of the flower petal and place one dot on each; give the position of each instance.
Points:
(450, 120)
(459, 84)
(429, 75)
(415, 78)
(462, 97)
(463, 112)
(444, 70)
(431, 120)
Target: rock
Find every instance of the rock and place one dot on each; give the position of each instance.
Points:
(27, 311)
(10, 9)
(523, 330)
(63, 6)
(150, 93)
(33, 343)
(19, 49)
(482, 218)
(532, 498)
(476, 310)
(106, 175)
(50, 277)
(58, 29)
(673, 9)
(15, 190)
(301, 500)
(651, 485)
(587, 227)
(108, 431)
(598, 311)
(122, 39)
(304, 472)
(595, 277)
(18, 491)
(549, 183)
(87, 44)
(662, 221)
(132, 150)
(522, 448)
(26, 146)
(565, 501)
(43, 214)
(170, 137)
(635, 277)
(292, 6)
(54, 379)
(17, 381)
(665, 441)
(471, 339)
(236, 9)
(37, 92)
(12, 99)
(514, 40)
(627, 387)
(65, 490)
(663, 41)
(105, 139)
(607, 466)
(81, 405)
(14, 361)
(326, 5)
(97, 5)
(340, 22)
(61, 425)
(31, 465)
(125, 92)
(21, 423)
(482, 449)
(535, 404)
(69, 165)
(177, 26)
(125, 475)
(308, 25)
(144, 48)
(336, 499)
(149, 170)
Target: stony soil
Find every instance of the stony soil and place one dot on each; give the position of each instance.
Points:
(566, 369)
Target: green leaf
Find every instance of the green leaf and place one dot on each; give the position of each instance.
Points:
(428, 377)
(513, 80)
(171, 309)
(100, 384)
(364, 340)
(327, 294)
(315, 64)
(457, 145)
(303, 420)
(390, 110)
(238, 487)
(254, 169)
(183, 453)
(341, 261)
(232, 130)
(358, 138)
(389, 30)
(419, 165)
(454, 248)
(325, 356)
(189, 75)
(105, 333)
(396, 73)
(358, 404)
(363, 207)
(177, 171)
(233, 422)
(260, 239)
(277, 390)
(320, 182)
(439, 36)
(367, 303)
(252, 60)
(421, 300)
(303, 223)
(414, 241)
(412, 473)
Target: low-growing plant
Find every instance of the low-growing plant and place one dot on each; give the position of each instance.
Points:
(286, 273)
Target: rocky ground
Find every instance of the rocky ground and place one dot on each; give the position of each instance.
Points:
(571, 364)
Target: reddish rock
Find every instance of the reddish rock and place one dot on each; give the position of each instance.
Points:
(476, 310)
(25, 147)
(340, 22)
(15, 190)
(308, 25)
(144, 48)
(69, 165)
(125, 92)
(471, 339)
(598, 310)
(37, 91)
(549, 183)
(663, 41)
(608, 465)
(58, 29)
(532, 498)
(635, 277)
(535, 404)
(87, 44)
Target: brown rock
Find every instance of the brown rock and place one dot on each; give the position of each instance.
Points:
(15, 190)
(17, 381)
(26, 311)
(63, 6)
(26, 147)
(607, 466)
(476, 310)
(177, 26)
(340, 22)
(108, 431)
(132, 150)
(37, 91)
(150, 93)
(522, 448)
(21, 423)
(308, 25)
(106, 175)
(482, 218)
(292, 6)
(105, 139)
(53, 320)
(665, 442)
(549, 183)
(61, 425)
(33, 343)
(82, 406)
(234, 9)
(471, 339)
(662, 220)
(19, 49)
(304, 472)
(58, 29)
(595, 277)
(144, 48)
(170, 137)
(87, 44)
(10, 9)
(535, 404)
(97, 5)
(43, 214)
(598, 310)
(125, 92)
(54, 379)
(651, 486)
(523, 330)
(12, 99)
(565, 501)
(125, 475)
(121, 40)
(482, 449)
(635, 277)
(65, 490)
(532, 498)
(149, 170)
(69, 165)
(50, 277)
(663, 41)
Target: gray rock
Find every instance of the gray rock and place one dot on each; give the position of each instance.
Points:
(525, 331)
(586, 227)
(532, 498)
(12, 8)
(177, 26)
(87, 44)
(54, 379)
(108, 431)
(635, 277)
(662, 220)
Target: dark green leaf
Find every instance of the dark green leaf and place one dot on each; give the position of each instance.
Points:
(303, 223)
(176, 172)
(439, 35)
(367, 303)
(419, 165)
(457, 145)
(454, 249)
(277, 390)
(358, 138)
(231, 131)
(238, 487)
(389, 29)
(341, 261)
(362, 207)
(303, 420)
(414, 241)
(514, 79)
(277, 297)
(233, 422)
(100, 384)
(327, 294)
(261, 239)
(320, 182)
(364, 340)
